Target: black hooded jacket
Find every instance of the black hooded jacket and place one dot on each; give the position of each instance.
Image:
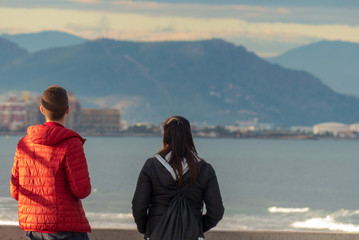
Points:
(156, 188)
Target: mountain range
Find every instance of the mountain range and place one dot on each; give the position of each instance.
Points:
(10, 51)
(209, 81)
(334, 62)
(34, 42)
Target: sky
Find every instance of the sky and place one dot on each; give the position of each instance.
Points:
(266, 27)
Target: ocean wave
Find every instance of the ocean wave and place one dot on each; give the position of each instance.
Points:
(245, 222)
(12, 223)
(327, 223)
(277, 218)
(288, 210)
(8, 211)
(345, 213)
(100, 215)
(6, 200)
(110, 220)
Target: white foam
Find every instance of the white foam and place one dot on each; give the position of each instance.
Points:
(110, 220)
(245, 222)
(345, 213)
(110, 216)
(327, 223)
(288, 210)
(9, 223)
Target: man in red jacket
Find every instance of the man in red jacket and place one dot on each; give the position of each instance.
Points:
(50, 175)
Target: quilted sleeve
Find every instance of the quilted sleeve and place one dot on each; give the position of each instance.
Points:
(142, 198)
(14, 181)
(213, 200)
(77, 169)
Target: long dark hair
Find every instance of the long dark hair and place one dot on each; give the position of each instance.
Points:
(177, 139)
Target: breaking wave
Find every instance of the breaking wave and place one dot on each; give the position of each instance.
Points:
(272, 218)
(327, 223)
(12, 223)
(110, 220)
(288, 210)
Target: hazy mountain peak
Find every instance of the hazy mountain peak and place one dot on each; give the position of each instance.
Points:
(334, 62)
(34, 42)
(9, 51)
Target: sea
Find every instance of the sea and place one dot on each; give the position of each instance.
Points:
(266, 184)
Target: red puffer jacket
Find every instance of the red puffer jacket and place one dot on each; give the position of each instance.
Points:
(49, 177)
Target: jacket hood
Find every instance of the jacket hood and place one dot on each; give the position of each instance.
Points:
(166, 177)
(50, 135)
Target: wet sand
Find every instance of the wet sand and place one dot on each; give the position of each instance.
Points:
(15, 233)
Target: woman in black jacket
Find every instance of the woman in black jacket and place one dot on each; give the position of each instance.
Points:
(176, 166)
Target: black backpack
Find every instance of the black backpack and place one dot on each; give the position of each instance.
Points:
(179, 222)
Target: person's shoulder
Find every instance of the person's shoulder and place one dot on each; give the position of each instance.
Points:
(72, 137)
(78, 140)
(149, 165)
(150, 161)
(207, 169)
(153, 162)
(204, 164)
(23, 140)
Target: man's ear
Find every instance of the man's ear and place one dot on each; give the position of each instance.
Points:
(42, 110)
(68, 110)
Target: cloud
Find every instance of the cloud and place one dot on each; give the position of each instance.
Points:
(86, 1)
(129, 24)
(261, 12)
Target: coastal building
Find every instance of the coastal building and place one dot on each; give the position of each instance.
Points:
(332, 128)
(16, 114)
(233, 128)
(73, 119)
(354, 127)
(301, 129)
(99, 121)
(12, 114)
(253, 125)
(249, 125)
(33, 115)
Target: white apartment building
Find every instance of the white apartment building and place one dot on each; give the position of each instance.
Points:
(331, 127)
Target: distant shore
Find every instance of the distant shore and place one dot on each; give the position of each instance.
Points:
(278, 136)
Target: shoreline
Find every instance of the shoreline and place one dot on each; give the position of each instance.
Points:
(15, 233)
(264, 136)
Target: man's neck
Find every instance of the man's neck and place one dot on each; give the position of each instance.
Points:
(62, 122)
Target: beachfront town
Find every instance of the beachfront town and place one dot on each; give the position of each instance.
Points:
(17, 113)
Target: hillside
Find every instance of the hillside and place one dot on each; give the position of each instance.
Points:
(9, 51)
(34, 42)
(212, 81)
(335, 63)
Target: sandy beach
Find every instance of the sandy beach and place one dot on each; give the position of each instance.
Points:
(15, 233)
